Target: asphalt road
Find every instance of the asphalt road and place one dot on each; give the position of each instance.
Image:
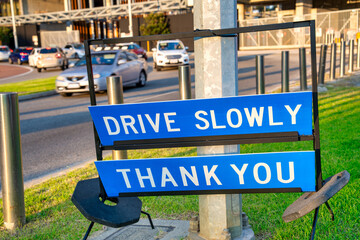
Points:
(56, 132)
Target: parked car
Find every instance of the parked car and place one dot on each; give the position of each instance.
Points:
(4, 53)
(170, 53)
(104, 64)
(33, 57)
(74, 50)
(134, 48)
(51, 58)
(20, 55)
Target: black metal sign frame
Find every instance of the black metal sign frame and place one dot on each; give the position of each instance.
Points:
(230, 32)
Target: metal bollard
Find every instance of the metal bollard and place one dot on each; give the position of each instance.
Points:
(358, 54)
(285, 71)
(185, 82)
(342, 58)
(260, 75)
(351, 56)
(116, 96)
(333, 61)
(322, 64)
(11, 162)
(302, 62)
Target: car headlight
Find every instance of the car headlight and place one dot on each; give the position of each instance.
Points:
(60, 78)
(97, 76)
(160, 54)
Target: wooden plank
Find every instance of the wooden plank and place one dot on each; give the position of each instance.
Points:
(311, 200)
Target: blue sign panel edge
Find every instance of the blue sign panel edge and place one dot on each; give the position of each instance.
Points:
(258, 172)
(204, 117)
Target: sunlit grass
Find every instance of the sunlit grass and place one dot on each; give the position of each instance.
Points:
(30, 86)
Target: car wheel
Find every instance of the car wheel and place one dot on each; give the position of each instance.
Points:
(76, 55)
(142, 79)
(66, 94)
(39, 69)
(19, 61)
(63, 67)
(158, 68)
(10, 61)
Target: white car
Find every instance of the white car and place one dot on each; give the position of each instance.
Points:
(34, 56)
(4, 53)
(74, 50)
(170, 53)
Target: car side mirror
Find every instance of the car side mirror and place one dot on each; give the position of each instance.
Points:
(121, 61)
(153, 49)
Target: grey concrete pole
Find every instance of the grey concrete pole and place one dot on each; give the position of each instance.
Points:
(216, 76)
(302, 62)
(342, 58)
(351, 56)
(285, 71)
(322, 64)
(116, 96)
(185, 82)
(260, 74)
(333, 61)
(358, 54)
(11, 163)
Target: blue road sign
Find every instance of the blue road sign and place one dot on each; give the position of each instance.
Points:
(284, 170)
(285, 112)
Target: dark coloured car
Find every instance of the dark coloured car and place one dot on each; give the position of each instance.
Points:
(20, 55)
(134, 48)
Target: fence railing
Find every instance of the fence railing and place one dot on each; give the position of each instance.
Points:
(330, 27)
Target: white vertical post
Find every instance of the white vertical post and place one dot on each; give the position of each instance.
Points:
(13, 23)
(216, 76)
(130, 19)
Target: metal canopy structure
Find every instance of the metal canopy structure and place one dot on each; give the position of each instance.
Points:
(98, 12)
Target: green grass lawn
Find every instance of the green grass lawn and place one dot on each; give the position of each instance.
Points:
(51, 215)
(30, 86)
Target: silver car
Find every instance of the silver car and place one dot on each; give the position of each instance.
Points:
(104, 64)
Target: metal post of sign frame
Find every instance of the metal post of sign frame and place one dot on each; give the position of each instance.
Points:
(224, 32)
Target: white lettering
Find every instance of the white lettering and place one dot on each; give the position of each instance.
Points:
(126, 179)
(167, 177)
(228, 117)
(293, 113)
(256, 173)
(141, 122)
(108, 128)
(168, 122)
(291, 172)
(271, 118)
(128, 124)
(211, 174)
(254, 116)
(213, 121)
(155, 125)
(240, 172)
(141, 178)
(193, 176)
(202, 119)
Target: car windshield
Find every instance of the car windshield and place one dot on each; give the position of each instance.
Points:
(79, 46)
(98, 59)
(4, 49)
(48, 50)
(170, 46)
(27, 50)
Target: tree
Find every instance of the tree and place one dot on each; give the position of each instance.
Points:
(5, 35)
(155, 23)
